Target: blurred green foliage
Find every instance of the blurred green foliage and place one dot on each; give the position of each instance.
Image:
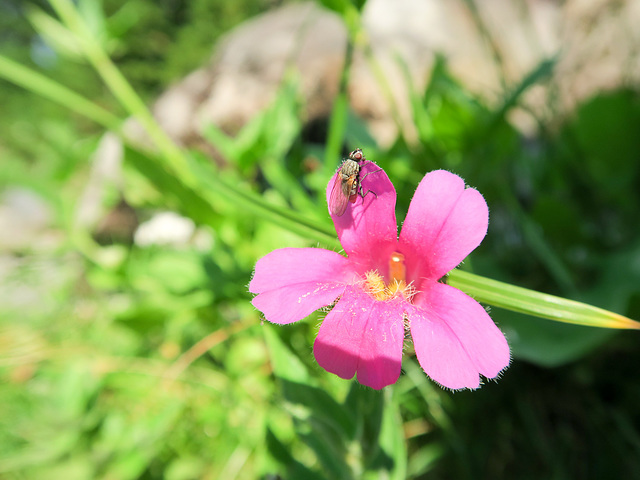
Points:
(120, 360)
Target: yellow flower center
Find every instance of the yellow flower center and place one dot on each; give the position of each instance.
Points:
(375, 285)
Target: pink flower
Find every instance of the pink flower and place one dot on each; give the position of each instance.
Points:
(388, 283)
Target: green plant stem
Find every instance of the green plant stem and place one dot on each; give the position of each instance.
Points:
(338, 120)
(38, 83)
(245, 199)
(122, 90)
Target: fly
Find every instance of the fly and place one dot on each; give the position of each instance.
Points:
(347, 183)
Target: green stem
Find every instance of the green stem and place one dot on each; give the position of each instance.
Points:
(122, 90)
(338, 120)
(246, 200)
(38, 83)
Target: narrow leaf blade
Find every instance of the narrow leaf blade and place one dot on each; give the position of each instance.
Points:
(538, 304)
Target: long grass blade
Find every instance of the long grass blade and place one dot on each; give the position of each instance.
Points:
(538, 304)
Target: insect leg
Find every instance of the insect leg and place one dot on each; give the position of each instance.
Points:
(368, 191)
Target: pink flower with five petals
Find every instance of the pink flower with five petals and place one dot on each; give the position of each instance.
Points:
(387, 284)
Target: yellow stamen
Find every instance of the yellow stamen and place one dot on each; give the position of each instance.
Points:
(375, 286)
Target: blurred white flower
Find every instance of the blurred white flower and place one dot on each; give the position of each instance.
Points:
(165, 228)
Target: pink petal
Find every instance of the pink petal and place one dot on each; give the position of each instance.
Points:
(455, 339)
(362, 335)
(294, 282)
(288, 266)
(445, 222)
(367, 230)
(295, 302)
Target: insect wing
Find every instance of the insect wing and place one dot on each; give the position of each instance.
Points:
(338, 200)
(350, 188)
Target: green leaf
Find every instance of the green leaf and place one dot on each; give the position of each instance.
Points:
(539, 74)
(284, 363)
(392, 438)
(548, 344)
(280, 452)
(538, 304)
(605, 131)
(343, 7)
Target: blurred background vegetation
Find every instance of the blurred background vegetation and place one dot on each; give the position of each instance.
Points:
(129, 348)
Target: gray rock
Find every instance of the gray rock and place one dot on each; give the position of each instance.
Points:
(490, 49)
